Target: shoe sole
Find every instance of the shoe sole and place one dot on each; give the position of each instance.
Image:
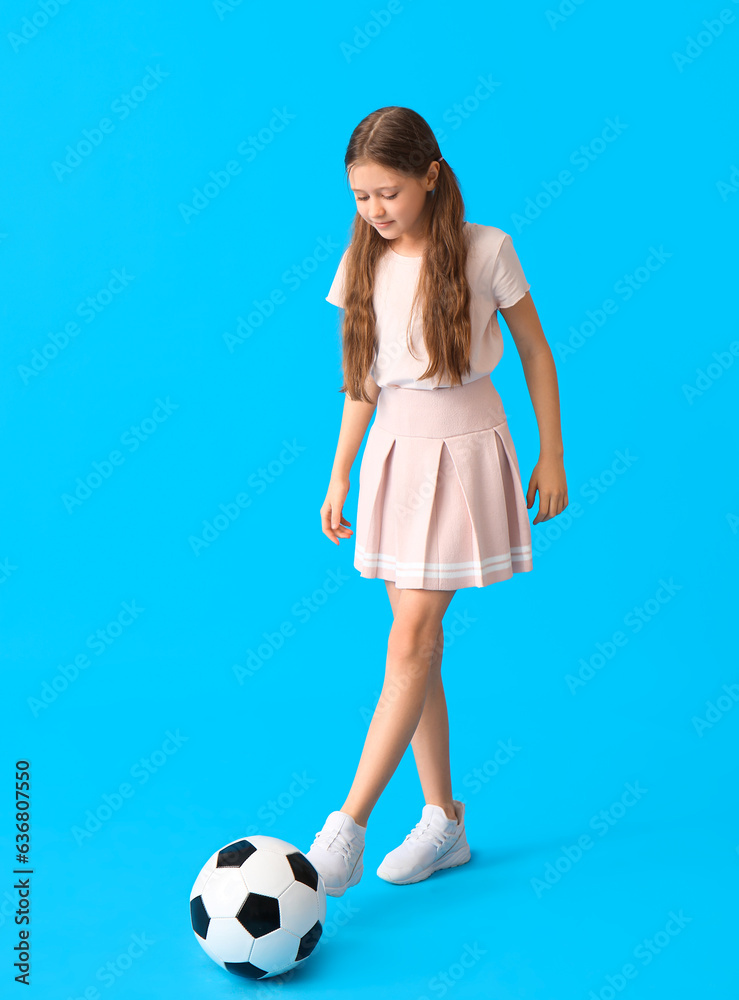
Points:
(459, 856)
(353, 879)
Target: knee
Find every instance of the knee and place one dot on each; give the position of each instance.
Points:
(411, 641)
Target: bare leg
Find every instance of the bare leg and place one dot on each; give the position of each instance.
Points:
(430, 741)
(410, 652)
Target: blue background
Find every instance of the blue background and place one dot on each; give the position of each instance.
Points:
(515, 98)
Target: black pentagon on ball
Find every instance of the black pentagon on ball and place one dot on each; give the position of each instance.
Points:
(303, 870)
(309, 941)
(199, 917)
(259, 914)
(246, 969)
(234, 855)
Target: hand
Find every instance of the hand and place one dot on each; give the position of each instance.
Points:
(549, 478)
(332, 520)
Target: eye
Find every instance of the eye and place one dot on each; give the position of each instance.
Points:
(389, 197)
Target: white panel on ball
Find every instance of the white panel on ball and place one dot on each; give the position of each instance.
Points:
(229, 940)
(298, 908)
(224, 893)
(275, 950)
(267, 872)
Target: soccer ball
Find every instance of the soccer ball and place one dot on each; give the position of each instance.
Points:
(258, 907)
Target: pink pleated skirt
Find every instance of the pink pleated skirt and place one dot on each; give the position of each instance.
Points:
(441, 505)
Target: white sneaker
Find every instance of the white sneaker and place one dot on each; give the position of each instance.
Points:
(434, 842)
(336, 852)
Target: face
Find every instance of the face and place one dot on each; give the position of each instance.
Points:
(391, 202)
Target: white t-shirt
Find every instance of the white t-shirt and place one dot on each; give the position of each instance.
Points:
(496, 279)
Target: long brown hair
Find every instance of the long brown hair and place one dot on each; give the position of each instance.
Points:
(401, 140)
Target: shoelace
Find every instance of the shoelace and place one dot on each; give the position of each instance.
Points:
(424, 831)
(335, 842)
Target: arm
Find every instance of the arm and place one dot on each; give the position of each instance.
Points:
(354, 422)
(539, 369)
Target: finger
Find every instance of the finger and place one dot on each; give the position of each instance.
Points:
(339, 527)
(544, 504)
(326, 524)
(341, 520)
(542, 508)
(555, 504)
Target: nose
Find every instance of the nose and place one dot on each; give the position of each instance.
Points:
(378, 215)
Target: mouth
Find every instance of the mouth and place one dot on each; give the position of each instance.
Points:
(382, 225)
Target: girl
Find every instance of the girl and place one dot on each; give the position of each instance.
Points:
(441, 503)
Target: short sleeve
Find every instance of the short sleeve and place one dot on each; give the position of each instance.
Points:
(336, 291)
(509, 281)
